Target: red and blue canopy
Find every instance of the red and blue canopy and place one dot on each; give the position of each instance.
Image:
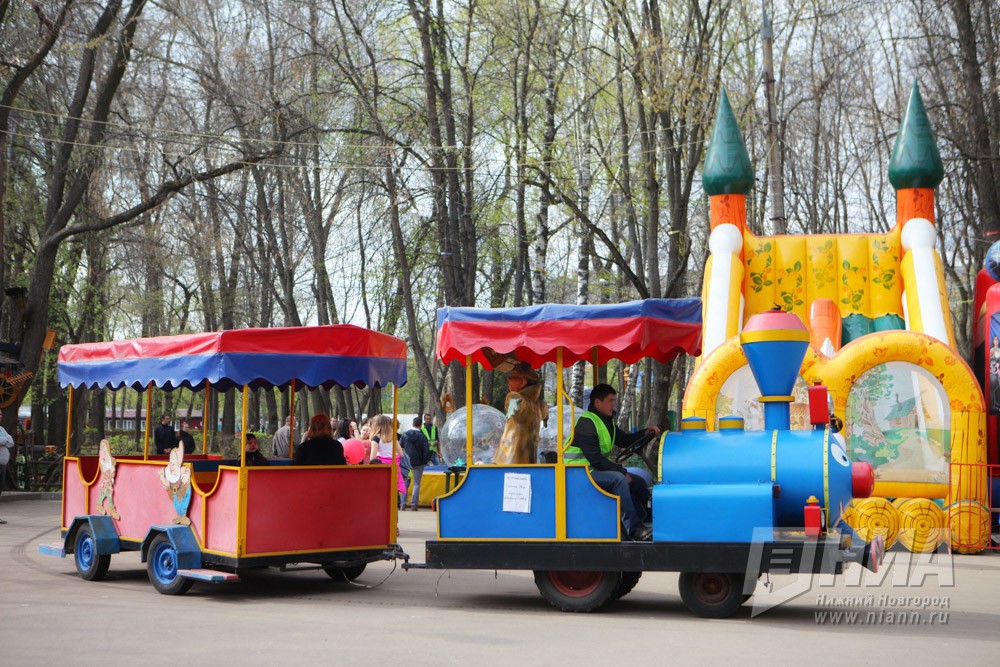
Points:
(656, 328)
(340, 354)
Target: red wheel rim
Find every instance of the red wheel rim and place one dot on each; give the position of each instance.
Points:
(576, 584)
(712, 588)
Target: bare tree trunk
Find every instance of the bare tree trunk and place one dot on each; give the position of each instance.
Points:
(987, 144)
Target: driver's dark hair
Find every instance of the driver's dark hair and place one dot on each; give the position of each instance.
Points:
(601, 391)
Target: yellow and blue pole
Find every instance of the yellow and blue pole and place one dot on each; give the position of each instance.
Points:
(560, 438)
(243, 429)
(291, 412)
(149, 416)
(394, 504)
(204, 419)
(468, 410)
(69, 420)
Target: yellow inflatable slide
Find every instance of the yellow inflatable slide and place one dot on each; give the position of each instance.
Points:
(882, 341)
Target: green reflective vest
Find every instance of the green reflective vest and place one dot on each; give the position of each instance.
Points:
(572, 455)
(432, 436)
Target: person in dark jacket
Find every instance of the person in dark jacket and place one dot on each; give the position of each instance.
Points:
(320, 448)
(594, 436)
(186, 438)
(164, 437)
(418, 450)
(254, 457)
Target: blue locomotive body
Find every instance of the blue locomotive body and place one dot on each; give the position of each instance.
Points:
(739, 486)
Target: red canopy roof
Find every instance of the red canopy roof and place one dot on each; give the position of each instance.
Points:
(656, 328)
(341, 354)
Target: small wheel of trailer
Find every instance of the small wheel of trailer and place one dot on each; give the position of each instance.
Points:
(349, 573)
(89, 564)
(161, 566)
(712, 594)
(626, 584)
(577, 591)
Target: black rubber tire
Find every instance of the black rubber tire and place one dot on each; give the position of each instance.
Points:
(161, 561)
(626, 584)
(577, 591)
(712, 594)
(89, 565)
(345, 573)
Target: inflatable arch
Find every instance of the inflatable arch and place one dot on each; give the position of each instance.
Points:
(957, 384)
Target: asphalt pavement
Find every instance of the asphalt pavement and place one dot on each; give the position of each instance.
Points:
(934, 612)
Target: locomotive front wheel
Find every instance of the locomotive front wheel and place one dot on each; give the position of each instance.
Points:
(345, 573)
(89, 565)
(626, 584)
(712, 594)
(577, 591)
(161, 566)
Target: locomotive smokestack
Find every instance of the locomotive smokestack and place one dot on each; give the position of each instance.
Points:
(775, 343)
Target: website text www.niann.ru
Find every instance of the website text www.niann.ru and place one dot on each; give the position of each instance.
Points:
(882, 617)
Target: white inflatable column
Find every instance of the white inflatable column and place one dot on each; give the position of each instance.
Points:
(722, 317)
(922, 296)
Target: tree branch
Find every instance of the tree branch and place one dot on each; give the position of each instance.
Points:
(162, 194)
(589, 224)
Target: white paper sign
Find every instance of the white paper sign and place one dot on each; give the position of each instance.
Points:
(517, 492)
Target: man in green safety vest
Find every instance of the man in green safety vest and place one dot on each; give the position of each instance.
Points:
(594, 435)
(430, 432)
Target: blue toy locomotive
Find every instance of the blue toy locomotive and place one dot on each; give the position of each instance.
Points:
(721, 486)
(729, 506)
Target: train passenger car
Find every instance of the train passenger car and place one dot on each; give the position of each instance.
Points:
(194, 516)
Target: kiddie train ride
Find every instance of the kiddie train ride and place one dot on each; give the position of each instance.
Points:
(728, 505)
(882, 341)
(197, 517)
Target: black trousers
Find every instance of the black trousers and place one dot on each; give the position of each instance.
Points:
(641, 494)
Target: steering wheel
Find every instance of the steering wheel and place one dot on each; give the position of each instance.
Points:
(636, 447)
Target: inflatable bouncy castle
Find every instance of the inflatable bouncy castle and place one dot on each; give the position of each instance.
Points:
(881, 340)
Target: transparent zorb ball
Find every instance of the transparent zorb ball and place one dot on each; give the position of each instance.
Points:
(487, 427)
(547, 436)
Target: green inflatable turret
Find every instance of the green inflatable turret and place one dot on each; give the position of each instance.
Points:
(916, 162)
(727, 166)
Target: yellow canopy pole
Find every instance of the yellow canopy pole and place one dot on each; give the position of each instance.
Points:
(291, 413)
(560, 427)
(204, 419)
(395, 420)
(243, 429)
(241, 511)
(69, 420)
(394, 502)
(560, 438)
(468, 410)
(149, 416)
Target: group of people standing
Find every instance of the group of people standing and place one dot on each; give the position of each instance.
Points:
(166, 438)
(323, 444)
